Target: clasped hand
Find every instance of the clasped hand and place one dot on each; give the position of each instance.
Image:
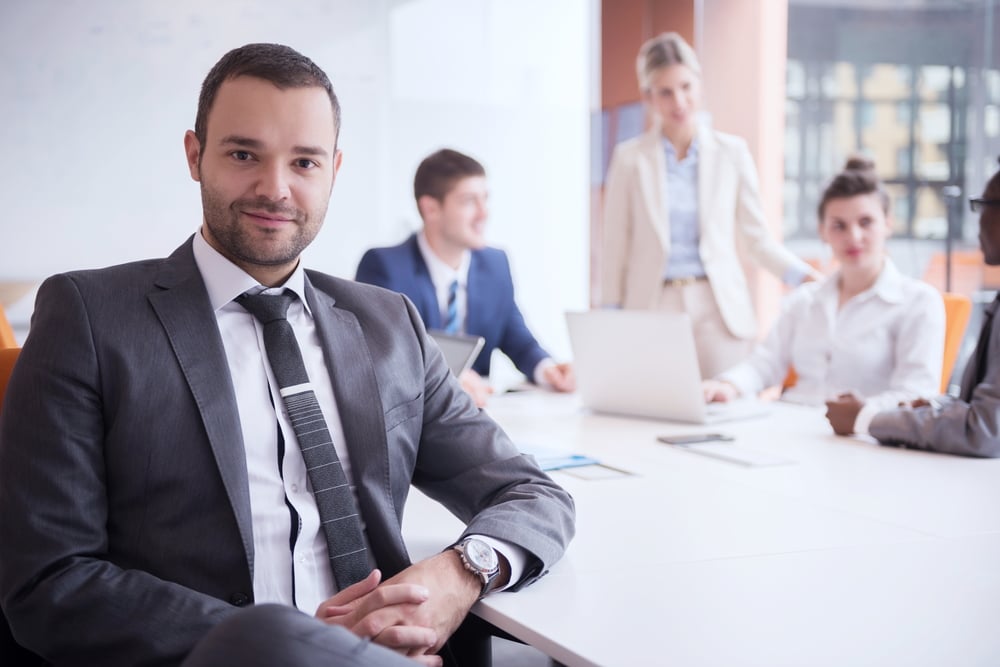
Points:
(412, 613)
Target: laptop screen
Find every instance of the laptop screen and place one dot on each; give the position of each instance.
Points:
(459, 351)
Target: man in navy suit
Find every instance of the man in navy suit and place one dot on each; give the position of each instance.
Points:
(457, 283)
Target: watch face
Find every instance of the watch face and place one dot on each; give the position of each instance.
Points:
(481, 555)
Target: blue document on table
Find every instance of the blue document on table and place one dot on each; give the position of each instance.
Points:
(560, 461)
(549, 459)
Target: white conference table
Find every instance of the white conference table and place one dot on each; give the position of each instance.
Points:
(851, 554)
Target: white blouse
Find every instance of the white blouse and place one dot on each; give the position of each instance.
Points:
(885, 344)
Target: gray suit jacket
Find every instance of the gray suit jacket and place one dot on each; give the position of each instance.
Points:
(126, 527)
(969, 425)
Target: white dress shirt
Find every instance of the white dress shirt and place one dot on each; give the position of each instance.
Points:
(885, 344)
(299, 576)
(442, 275)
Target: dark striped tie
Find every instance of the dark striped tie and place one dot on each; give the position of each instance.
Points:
(451, 311)
(338, 510)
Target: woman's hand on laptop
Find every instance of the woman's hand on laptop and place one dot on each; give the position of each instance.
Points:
(719, 391)
(475, 386)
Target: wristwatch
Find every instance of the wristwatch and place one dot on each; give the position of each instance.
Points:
(481, 559)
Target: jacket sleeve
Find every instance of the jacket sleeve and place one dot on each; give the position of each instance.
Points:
(516, 340)
(372, 270)
(64, 596)
(752, 228)
(953, 426)
(467, 462)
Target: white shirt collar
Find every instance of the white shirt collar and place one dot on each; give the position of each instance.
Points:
(889, 286)
(441, 273)
(225, 281)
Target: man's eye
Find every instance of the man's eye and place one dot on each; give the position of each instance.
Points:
(242, 156)
(305, 163)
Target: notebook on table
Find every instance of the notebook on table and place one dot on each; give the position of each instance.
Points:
(459, 350)
(644, 364)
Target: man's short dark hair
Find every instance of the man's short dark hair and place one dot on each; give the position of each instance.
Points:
(439, 172)
(281, 65)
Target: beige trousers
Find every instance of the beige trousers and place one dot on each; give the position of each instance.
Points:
(718, 349)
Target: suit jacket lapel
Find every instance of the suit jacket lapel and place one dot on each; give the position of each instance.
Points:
(707, 155)
(356, 391)
(425, 298)
(975, 369)
(183, 308)
(476, 294)
(655, 192)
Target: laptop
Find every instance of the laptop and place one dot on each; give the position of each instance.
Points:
(643, 363)
(459, 350)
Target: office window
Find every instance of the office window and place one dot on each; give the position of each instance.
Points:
(916, 87)
(903, 160)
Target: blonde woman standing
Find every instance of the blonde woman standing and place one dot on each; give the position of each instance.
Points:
(677, 200)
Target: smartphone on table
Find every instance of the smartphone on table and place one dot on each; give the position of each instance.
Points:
(694, 438)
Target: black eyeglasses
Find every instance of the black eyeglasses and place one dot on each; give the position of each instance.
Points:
(977, 204)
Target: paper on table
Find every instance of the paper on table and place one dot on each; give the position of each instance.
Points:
(734, 454)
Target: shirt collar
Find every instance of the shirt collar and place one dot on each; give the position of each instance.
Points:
(225, 281)
(890, 283)
(889, 286)
(692, 151)
(441, 273)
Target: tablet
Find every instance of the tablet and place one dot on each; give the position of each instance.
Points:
(459, 351)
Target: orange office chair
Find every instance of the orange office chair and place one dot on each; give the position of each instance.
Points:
(8, 355)
(957, 308)
(7, 338)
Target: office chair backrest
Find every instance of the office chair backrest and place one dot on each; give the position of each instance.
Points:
(957, 308)
(7, 338)
(8, 355)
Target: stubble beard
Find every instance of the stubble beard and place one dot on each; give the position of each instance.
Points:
(245, 248)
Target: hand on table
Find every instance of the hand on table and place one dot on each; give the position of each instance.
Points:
(843, 411)
(560, 377)
(719, 391)
(475, 386)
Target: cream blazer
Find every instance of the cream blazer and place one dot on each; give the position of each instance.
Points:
(636, 227)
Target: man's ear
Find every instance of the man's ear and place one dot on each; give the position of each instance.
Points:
(338, 158)
(192, 150)
(428, 207)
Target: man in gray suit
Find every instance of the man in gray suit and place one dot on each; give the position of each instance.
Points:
(970, 424)
(149, 488)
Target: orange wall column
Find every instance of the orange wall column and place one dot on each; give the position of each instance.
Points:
(743, 53)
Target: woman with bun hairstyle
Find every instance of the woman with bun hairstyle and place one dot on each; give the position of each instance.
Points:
(676, 201)
(866, 329)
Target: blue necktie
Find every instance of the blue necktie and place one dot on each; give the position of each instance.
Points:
(451, 311)
(338, 510)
